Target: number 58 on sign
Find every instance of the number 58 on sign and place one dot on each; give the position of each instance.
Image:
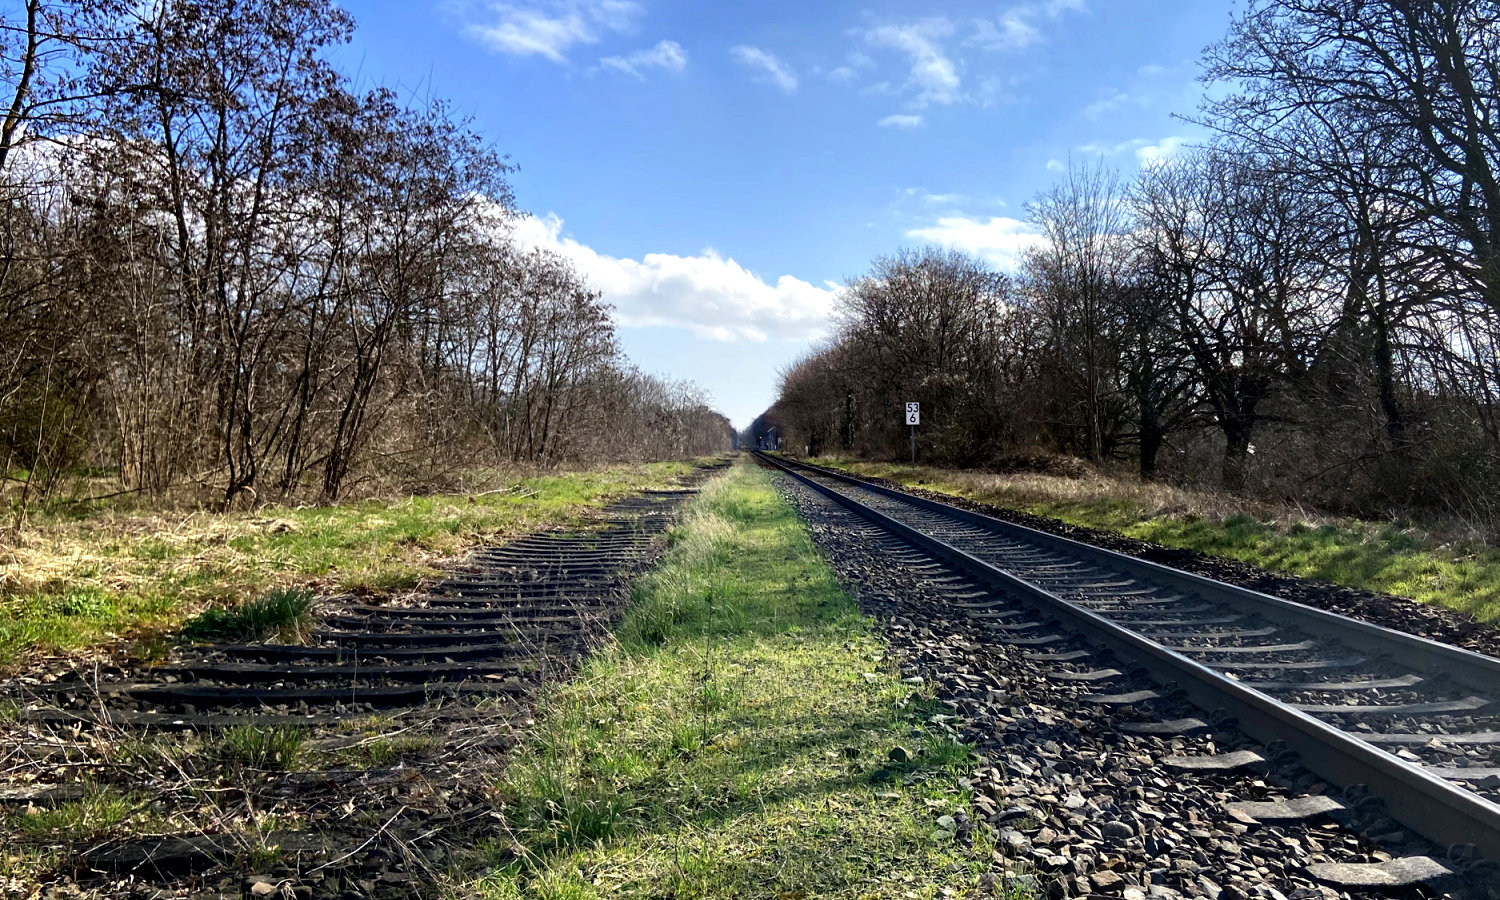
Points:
(914, 414)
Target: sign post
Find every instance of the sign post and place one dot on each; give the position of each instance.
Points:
(914, 418)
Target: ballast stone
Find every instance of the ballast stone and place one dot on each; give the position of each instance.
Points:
(1407, 870)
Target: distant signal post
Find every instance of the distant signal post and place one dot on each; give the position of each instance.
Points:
(914, 418)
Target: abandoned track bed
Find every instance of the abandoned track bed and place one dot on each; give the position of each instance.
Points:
(446, 671)
(1411, 723)
(517, 615)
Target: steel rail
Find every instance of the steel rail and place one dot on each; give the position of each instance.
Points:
(1473, 670)
(1417, 799)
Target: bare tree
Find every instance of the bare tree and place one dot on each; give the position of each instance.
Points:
(1076, 277)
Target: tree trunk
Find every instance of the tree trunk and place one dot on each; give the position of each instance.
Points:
(1385, 373)
(1236, 455)
(1152, 436)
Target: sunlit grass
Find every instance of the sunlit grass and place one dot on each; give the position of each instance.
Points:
(273, 748)
(278, 611)
(736, 741)
(1457, 571)
(70, 582)
(97, 812)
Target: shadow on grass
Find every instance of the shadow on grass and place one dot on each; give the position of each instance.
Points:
(738, 713)
(770, 777)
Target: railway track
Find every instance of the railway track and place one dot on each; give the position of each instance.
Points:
(455, 665)
(1399, 720)
(515, 616)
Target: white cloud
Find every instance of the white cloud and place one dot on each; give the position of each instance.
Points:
(999, 239)
(903, 122)
(934, 76)
(1056, 165)
(1166, 148)
(709, 295)
(1113, 101)
(1146, 153)
(1009, 32)
(667, 55)
(550, 27)
(937, 76)
(1019, 26)
(773, 70)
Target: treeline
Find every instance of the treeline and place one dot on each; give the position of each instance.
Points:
(222, 265)
(1307, 307)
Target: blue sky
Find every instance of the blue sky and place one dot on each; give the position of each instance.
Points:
(716, 167)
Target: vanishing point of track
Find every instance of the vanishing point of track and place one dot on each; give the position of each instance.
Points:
(1358, 704)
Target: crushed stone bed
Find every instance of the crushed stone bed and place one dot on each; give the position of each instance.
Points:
(1403, 614)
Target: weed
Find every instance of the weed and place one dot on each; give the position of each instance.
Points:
(260, 856)
(92, 815)
(278, 612)
(383, 751)
(567, 812)
(274, 748)
(151, 648)
(372, 723)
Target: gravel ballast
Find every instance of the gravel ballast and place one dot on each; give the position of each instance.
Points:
(1075, 803)
(1401, 613)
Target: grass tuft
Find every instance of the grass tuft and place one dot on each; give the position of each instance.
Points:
(384, 751)
(90, 816)
(273, 749)
(281, 611)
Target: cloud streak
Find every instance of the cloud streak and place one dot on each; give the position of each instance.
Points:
(550, 29)
(901, 121)
(1019, 26)
(933, 76)
(666, 55)
(771, 69)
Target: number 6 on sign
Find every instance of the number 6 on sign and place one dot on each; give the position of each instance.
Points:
(914, 414)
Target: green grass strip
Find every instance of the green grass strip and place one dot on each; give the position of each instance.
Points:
(1461, 574)
(740, 739)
